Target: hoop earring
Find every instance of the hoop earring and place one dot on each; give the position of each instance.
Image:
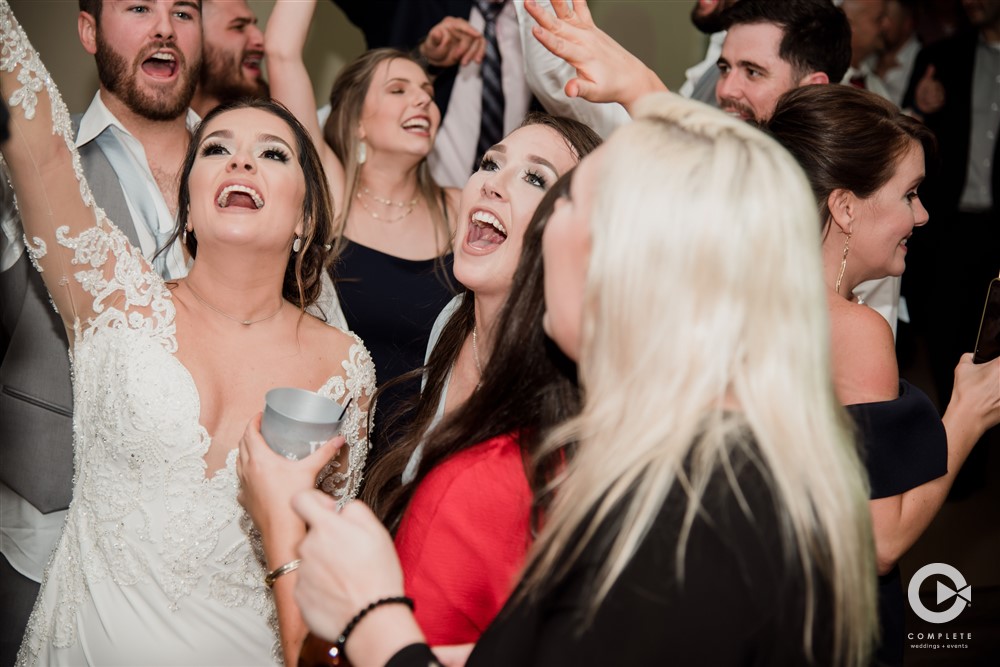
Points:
(362, 152)
(843, 263)
(297, 244)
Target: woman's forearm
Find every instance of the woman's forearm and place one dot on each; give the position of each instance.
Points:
(899, 521)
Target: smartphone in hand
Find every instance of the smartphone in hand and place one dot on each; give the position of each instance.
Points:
(988, 340)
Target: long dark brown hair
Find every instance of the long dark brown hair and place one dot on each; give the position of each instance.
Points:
(303, 274)
(527, 387)
(845, 138)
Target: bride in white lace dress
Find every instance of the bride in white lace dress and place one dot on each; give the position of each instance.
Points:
(154, 566)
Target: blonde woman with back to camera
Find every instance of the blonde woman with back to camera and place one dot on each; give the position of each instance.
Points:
(714, 511)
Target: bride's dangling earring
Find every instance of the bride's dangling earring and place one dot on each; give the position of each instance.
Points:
(297, 244)
(843, 263)
(362, 152)
(184, 232)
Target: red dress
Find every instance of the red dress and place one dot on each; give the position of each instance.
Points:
(463, 540)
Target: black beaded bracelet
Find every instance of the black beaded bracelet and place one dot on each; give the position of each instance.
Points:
(353, 623)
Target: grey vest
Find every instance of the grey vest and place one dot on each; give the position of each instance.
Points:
(36, 396)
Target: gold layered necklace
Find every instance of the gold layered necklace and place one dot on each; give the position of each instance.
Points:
(245, 323)
(409, 206)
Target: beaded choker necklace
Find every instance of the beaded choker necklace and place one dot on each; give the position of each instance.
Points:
(408, 205)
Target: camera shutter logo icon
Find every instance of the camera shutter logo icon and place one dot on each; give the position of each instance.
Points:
(960, 590)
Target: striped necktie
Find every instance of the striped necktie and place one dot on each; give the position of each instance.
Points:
(491, 126)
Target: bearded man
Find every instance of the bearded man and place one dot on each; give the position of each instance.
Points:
(234, 52)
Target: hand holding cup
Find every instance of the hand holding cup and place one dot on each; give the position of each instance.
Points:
(270, 477)
(297, 421)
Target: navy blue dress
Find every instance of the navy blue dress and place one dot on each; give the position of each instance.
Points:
(391, 303)
(904, 445)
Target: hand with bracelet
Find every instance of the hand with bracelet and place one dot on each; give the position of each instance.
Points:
(349, 563)
(267, 483)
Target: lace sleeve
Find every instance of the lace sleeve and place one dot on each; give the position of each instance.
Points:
(357, 385)
(86, 262)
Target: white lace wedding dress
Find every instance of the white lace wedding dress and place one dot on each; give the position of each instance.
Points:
(154, 566)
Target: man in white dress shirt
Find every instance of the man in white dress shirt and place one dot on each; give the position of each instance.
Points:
(900, 46)
(866, 18)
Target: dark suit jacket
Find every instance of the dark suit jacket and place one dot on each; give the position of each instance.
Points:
(36, 396)
(403, 24)
(954, 60)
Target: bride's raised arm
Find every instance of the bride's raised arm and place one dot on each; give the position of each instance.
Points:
(284, 41)
(81, 255)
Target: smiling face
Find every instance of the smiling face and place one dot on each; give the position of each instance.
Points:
(752, 76)
(399, 114)
(234, 49)
(498, 202)
(887, 218)
(246, 184)
(148, 53)
(566, 257)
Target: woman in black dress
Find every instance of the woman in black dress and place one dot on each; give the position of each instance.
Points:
(865, 161)
(393, 223)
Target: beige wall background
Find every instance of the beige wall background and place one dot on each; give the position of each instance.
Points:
(658, 31)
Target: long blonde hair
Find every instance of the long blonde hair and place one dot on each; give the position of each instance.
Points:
(347, 100)
(704, 290)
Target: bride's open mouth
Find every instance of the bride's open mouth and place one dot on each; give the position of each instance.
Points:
(486, 232)
(238, 195)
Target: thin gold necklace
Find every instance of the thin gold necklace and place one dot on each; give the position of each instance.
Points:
(227, 315)
(410, 205)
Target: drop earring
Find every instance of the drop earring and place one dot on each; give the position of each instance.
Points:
(184, 232)
(362, 152)
(843, 263)
(297, 244)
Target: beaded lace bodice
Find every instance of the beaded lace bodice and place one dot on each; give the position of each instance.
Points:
(143, 512)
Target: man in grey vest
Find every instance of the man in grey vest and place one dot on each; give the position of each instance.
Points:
(132, 140)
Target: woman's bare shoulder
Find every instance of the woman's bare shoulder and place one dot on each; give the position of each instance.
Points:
(863, 354)
(330, 340)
